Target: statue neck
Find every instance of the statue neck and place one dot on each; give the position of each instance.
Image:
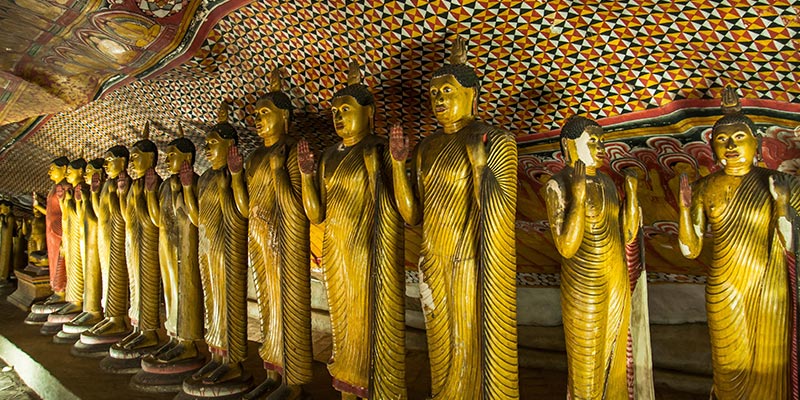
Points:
(740, 170)
(453, 127)
(353, 140)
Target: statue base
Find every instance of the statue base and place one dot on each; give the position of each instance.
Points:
(55, 321)
(66, 338)
(124, 361)
(35, 319)
(165, 377)
(170, 368)
(81, 349)
(232, 389)
(30, 289)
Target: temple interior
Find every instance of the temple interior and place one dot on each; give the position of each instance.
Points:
(80, 77)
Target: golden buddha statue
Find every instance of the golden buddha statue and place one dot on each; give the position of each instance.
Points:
(71, 247)
(141, 245)
(105, 201)
(464, 192)
(93, 286)
(37, 240)
(180, 271)
(20, 259)
(7, 226)
(278, 245)
(750, 289)
(222, 228)
(52, 211)
(362, 249)
(584, 213)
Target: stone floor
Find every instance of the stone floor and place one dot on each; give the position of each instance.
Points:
(12, 387)
(84, 379)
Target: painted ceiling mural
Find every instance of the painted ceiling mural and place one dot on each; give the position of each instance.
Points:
(651, 72)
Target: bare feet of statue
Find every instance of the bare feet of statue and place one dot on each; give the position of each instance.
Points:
(270, 383)
(215, 362)
(110, 326)
(183, 350)
(288, 392)
(225, 372)
(145, 339)
(172, 342)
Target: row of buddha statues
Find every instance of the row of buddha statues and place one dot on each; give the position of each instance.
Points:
(120, 243)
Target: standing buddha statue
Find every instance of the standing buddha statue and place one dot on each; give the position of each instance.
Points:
(105, 201)
(71, 247)
(751, 288)
(180, 272)
(52, 212)
(270, 194)
(92, 282)
(362, 249)
(7, 226)
(37, 240)
(222, 228)
(583, 209)
(464, 192)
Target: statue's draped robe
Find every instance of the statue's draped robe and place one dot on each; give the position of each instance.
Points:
(596, 296)
(93, 285)
(279, 254)
(747, 292)
(223, 265)
(72, 249)
(111, 242)
(180, 271)
(141, 245)
(362, 260)
(54, 230)
(468, 263)
(6, 244)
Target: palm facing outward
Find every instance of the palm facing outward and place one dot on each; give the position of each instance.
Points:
(186, 174)
(123, 182)
(78, 194)
(234, 160)
(305, 158)
(150, 180)
(398, 143)
(95, 183)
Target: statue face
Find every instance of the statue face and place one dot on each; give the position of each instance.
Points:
(217, 149)
(450, 101)
(74, 175)
(350, 118)
(140, 161)
(734, 145)
(90, 172)
(5, 209)
(588, 147)
(56, 173)
(270, 120)
(114, 165)
(175, 159)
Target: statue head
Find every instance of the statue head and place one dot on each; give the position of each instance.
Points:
(58, 169)
(179, 151)
(144, 155)
(6, 207)
(735, 143)
(454, 90)
(582, 139)
(75, 171)
(353, 108)
(218, 142)
(116, 160)
(273, 112)
(92, 168)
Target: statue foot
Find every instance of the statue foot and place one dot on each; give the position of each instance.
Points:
(98, 326)
(54, 298)
(70, 308)
(163, 349)
(287, 392)
(225, 372)
(183, 350)
(208, 368)
(268, 385)
(143, 340)
(133, 335)
(110, 326)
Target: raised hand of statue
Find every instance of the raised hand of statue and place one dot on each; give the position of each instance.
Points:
(305, 158)
(579, 182)
(78, 194)
(779, 188)
(186, 174)
(123, 182)
(398, 143)
(35, 200)
(277, 158)
(631, 182)
(60, 191)
(685, 193)
(150, 180)
(234, 160)
(95, 183)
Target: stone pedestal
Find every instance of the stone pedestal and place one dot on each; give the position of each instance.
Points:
(30, 288)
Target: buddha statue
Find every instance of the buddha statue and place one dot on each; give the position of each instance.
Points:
(222, 229)
(141, 245)
(58, 279)
(180, 272)
(751, 287)
(362, 249)
(270, 195)
(584, 210)
(37, 241)
(463, 189)
(20, 250)
(92, 283)
(72, 244)
(7, 227)
(105, 201)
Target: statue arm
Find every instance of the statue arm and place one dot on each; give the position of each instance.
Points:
(632, 215)
(288, 181)
(566, 218)
(785, 191)
(407, 201)
(240, 195)
(313, 189)
(41, 208)
(152, 206)
(692, 220)
(190, 199)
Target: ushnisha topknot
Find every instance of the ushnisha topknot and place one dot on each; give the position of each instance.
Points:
(458, 67)
(276, 95)
(575, 125)
(223, 128)
(355, 88)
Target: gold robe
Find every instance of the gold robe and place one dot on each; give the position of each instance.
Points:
(279, 254)
(362, 260)
(223, 265)
(111, 242)
(747, 291)
(72, 248)
(93, 286)
(141, 246)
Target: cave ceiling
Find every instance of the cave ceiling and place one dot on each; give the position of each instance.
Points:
(78, 77)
